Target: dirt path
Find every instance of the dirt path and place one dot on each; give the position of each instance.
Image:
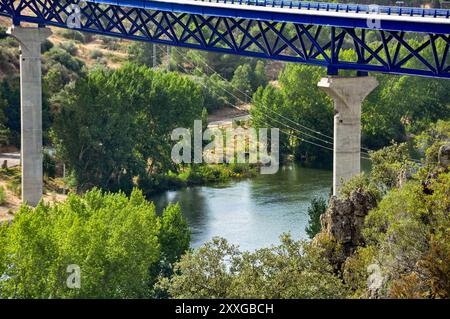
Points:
(225, 116)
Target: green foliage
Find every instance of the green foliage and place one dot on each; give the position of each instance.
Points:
(247, 79)
(404, 229)
(114, 240)
(217, 92)
(70, 47)
(141, 53)
(242, 81)
(63, 57)
(356, 270)
(317, 207)
(299, 100)
(198, 174)
(407, 235)
(362, 182)
(289, 270)
(175, 234)
(260, 75)
(388, 164)
(2, 195)
(96, 54)
(123, 120)
(73, 35)
(430, 141)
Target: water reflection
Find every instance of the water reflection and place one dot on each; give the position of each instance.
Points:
(251, 213)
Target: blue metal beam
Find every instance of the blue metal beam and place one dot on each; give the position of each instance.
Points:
(271, 34)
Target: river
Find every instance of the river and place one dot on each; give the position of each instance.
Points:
(251, 213)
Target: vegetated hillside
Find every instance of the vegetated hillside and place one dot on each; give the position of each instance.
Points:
(91, 49)
(65, 55)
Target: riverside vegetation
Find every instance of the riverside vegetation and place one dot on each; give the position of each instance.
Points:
(126, 251)
(109, 121)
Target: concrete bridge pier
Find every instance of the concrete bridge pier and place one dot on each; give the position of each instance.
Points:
(30, 39)
(348, 93)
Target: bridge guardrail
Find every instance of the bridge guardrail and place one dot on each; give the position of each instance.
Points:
(340, 7)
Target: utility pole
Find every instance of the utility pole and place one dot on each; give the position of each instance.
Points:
(155, 62)
(168, 58)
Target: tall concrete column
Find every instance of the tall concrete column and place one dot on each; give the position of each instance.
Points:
(348, 93)
(30, 40)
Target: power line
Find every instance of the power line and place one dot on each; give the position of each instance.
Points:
(280, 115)
(290, 127)
(365, 149)
(284, 132)
(249, 97)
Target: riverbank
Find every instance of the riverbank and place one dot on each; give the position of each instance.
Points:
(196, 175)
(10, 187)
(251, 213)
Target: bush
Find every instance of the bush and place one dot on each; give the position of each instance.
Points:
(294, 269)
(95, 54)
(63, 57)
(46, 46)
(388, 164)
(70, 47)
(408, 236)
(2, 195)
(317, 207)
(362, 182)
(118, 244)
(73, 35)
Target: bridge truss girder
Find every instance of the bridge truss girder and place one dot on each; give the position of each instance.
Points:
(394, 52)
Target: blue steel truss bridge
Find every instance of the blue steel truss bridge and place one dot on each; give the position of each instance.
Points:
(395, 40)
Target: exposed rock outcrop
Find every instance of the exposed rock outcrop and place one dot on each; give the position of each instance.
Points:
(344, 220)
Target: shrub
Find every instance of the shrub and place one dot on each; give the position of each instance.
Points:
(73, 35)
(293, 269)
(317, 207)
(2, 195)
(95, 54)
(387, 165)
(46, 46)
(362, 182)
(63, 57)
(70, 47)
(432, 139)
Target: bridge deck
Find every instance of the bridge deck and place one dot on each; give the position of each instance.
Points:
(435, 21)
(302, 32)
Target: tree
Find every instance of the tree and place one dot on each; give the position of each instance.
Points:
(242, 81)
(4, 132)
(260, 77)
(115, 125)
(293, 269)
(299, 100)
(218, 93)
(114, 240)
(175, 234)
(317, 207)
(141, 53)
